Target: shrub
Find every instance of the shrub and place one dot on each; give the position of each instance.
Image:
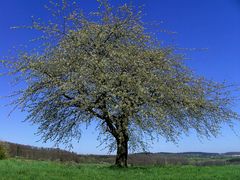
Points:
(234, 160)
(3, 151)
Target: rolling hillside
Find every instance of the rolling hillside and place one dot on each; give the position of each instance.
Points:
(145, 158)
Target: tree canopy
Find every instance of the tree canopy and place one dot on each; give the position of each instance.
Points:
(105, 67)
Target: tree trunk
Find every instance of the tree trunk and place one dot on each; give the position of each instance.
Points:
(122, 152)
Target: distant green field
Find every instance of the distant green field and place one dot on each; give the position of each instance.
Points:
(25, 169)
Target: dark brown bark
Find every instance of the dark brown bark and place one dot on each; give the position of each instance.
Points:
(122, 153)
(120, 132)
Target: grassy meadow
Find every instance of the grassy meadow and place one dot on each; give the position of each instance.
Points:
(28, 169)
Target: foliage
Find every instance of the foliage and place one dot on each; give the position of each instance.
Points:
(105, 67)
(3, 151)
(23, 169)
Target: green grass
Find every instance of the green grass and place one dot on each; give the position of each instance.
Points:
(25, 169)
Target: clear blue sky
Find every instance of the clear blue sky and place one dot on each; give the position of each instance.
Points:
(212, 24)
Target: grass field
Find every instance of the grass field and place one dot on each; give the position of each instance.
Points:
(25, 169)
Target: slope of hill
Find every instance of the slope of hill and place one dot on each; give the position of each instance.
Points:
(36, 153)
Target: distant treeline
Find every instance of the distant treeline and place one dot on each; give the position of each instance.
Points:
(35, 153)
